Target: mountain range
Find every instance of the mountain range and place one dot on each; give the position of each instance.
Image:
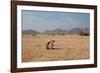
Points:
(58, 31)
(32, 32)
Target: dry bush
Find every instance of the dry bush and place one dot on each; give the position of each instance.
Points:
(84, 34)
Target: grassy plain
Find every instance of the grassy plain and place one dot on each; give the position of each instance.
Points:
(67, 47)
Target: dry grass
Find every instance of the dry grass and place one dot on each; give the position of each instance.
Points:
(68, 47)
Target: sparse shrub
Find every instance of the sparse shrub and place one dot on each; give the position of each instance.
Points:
(84, 34)
(53, 34)
(62, 34)
(33, 34)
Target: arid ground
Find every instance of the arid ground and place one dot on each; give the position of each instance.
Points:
(67, 47)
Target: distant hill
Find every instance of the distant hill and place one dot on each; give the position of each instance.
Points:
(31, 32)
(65, 32)
(86, 30)
(79, 30)
(58, 31)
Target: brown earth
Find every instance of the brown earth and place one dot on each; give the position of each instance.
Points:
(67, 47)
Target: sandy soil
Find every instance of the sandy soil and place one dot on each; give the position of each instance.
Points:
(67, 47)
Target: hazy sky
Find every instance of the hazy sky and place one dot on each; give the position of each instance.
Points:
(44, 20)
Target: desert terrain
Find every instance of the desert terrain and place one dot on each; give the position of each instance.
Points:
(67, 47)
